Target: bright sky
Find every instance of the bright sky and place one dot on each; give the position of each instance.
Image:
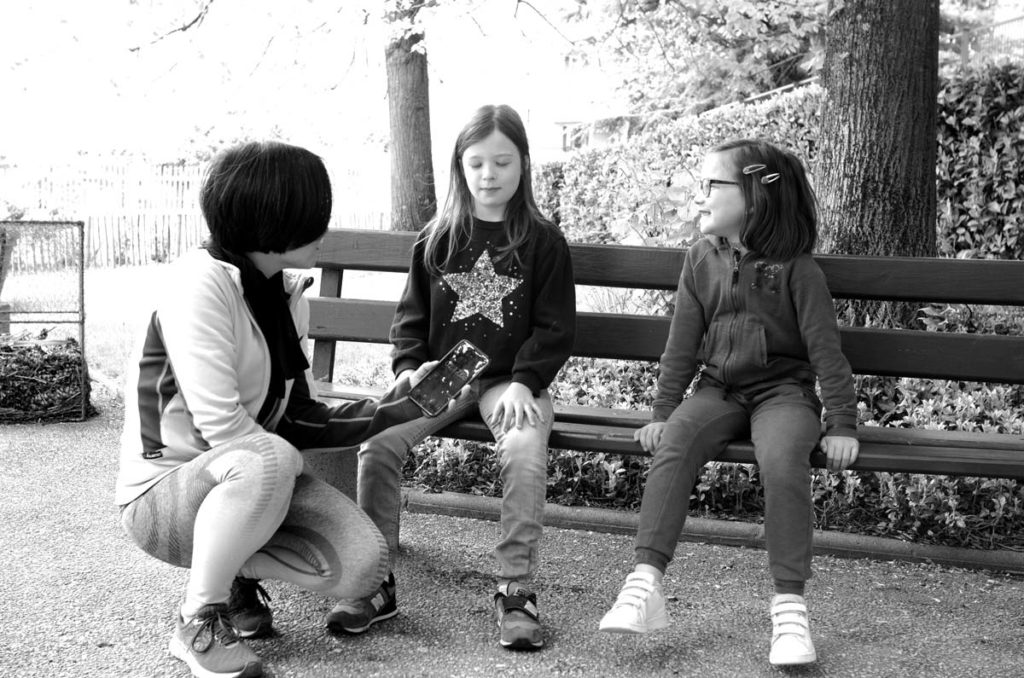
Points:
(71, 79)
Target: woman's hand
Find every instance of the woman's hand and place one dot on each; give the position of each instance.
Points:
(649, 436)
(416, 376)
(840, 451)
(514, 405)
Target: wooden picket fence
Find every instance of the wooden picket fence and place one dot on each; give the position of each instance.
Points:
(134, 213)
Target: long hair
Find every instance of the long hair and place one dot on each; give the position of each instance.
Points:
(449, 231)
(265, 197)
(782, 210)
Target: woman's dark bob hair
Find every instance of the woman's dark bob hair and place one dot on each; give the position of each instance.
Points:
(265, 197)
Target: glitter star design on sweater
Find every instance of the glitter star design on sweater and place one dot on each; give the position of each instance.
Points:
(481, 290)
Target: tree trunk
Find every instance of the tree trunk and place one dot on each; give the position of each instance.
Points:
(413, 200)
(876, 164)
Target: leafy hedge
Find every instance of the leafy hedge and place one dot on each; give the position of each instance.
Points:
(981, 164)
(621, 193)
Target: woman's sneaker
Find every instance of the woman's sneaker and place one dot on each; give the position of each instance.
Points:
(210, 645)
(518, 618)
(639, 608)
(248, 609)
(791, 632)
(357, 616)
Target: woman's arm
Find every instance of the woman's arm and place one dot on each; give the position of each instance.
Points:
(309, 423)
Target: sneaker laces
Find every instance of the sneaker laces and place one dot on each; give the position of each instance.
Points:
(214, 627)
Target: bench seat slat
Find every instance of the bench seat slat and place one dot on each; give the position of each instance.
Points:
(914, 353)
(882, 449)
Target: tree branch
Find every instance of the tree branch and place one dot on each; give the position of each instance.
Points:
(542, 16)
(181, 29)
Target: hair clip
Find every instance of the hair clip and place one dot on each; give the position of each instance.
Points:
(756, 167)
(770, 178)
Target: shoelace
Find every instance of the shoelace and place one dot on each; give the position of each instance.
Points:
(214, 627)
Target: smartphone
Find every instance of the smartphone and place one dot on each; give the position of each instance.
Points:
(461, 365)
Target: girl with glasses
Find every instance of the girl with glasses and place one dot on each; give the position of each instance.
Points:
(755, 322)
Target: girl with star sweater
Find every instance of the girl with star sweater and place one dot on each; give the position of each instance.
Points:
(519, 310)
(489, 268)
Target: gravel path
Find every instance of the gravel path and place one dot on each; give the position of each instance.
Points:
(76, 598)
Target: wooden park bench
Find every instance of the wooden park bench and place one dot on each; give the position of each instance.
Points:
(882, 352)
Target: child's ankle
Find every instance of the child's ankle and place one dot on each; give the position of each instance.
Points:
(644, 568)
(793, 588)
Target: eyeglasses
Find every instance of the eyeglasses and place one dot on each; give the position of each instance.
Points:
(707, 184)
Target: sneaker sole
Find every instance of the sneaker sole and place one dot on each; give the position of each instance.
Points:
(795, 661)
(524, 641)
(261, 631)
(337, 628)
(655, 624)
(179, 651)
(521, 644)
(526, 627)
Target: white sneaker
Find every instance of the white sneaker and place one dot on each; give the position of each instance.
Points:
(791, 632)
(640, 607)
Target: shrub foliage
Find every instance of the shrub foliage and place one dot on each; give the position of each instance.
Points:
(629, 193)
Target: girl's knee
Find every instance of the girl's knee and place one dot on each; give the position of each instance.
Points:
(385, 452)
(523, 452)
(785, 471)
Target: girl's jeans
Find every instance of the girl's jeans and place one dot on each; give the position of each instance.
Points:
(522, 455)
(784, 424)
(247, 508)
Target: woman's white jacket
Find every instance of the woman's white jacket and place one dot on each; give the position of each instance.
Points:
(203, 372)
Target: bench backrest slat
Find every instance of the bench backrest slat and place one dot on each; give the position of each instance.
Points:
(937, 355)
(968, 281)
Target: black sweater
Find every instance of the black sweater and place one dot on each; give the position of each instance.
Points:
(523, 316)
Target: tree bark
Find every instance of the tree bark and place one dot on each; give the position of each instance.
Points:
(413, 199)
(876, 165)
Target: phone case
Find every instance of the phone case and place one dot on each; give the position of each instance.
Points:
(461, 365)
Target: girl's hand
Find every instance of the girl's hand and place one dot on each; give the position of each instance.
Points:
(841, 451)
(407, 374)
(515, 404)
(649, 436)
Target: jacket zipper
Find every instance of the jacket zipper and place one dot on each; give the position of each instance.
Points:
(735, 308)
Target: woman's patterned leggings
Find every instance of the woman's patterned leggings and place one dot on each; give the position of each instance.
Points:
(246, 508)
